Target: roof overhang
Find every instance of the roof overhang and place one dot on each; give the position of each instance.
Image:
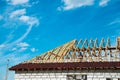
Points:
(66, 66)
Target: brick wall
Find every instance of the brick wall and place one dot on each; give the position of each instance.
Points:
(62, 75)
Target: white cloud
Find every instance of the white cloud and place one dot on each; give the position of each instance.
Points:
(29, 20)
(19, 2)
(24, 18)
(103, 2)
(71, 4)
(14, 49)
(21, 15)
(16, 18)
(2, 46)
(35, 2)
(22, 44)
(23, 49)
(18, 13)
(116, 21)
(33, 49)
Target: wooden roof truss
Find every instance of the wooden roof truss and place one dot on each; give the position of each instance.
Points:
(81, 51)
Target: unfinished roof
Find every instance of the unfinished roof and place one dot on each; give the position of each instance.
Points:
(57, 54)
(79, 52)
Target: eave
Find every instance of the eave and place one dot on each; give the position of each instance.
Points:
(67, 66)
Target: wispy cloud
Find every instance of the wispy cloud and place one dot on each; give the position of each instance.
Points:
(33, 49)
(116, 21)
(103, 3)
(23, 49)
(16, 18)
(23, 44)
(20, 47)
(29, 20)
(72, 4)
(114, 25)
(18, 13)
(19, 16)
(18, 2)
(14, 49)
(2, 46)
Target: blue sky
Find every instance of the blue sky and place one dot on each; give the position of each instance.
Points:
(31, 27)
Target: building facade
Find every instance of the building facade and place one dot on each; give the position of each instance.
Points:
(68, 75)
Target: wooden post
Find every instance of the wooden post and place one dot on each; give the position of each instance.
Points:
(118, 42)
(6, 78)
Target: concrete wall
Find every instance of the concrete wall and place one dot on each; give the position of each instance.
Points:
(62, 75)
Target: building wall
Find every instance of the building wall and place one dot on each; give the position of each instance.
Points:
(62, 75)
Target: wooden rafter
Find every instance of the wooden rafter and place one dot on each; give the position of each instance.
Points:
(88, 51)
